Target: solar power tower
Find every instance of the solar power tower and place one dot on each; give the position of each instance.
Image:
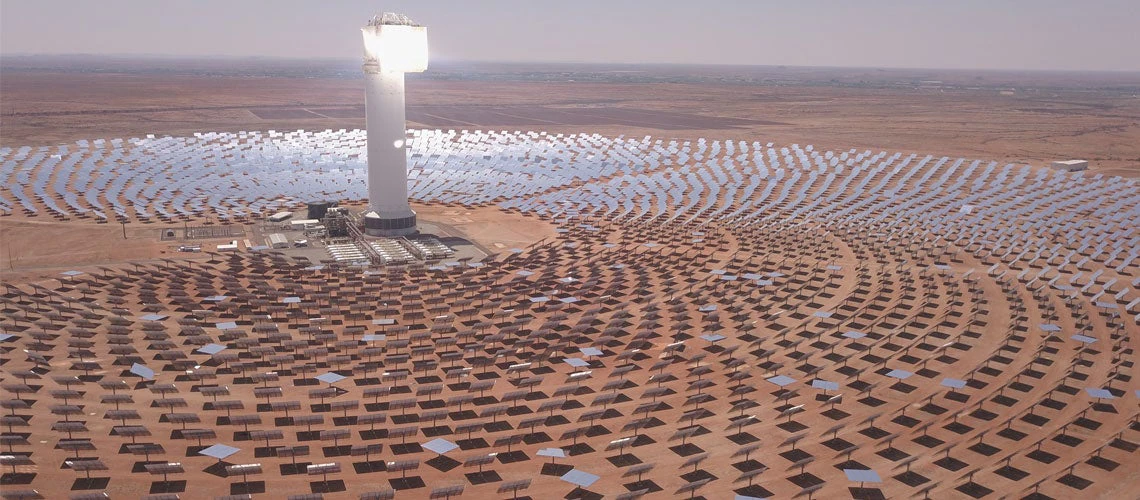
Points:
(393, 45)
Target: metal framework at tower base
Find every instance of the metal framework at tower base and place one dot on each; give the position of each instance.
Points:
(374, 225)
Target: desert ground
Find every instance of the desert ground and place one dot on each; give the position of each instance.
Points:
(1020, 118)
(962, 332)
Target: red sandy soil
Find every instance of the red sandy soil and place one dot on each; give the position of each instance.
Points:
(45, 108)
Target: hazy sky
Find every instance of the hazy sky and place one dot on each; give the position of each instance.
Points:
(984, 34)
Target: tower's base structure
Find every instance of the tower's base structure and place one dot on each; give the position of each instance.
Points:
(377, 225)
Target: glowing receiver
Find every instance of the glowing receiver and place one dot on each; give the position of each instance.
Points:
(396, 48)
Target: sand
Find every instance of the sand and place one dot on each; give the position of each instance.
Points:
(1023, 423)
(1033, 126)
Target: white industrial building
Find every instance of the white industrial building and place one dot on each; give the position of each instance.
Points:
(280, 216)
(232, 246)
(1071, 165)
(299, 225)
(278, 240)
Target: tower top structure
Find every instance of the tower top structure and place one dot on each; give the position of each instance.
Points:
(391, 19)
(395, 43)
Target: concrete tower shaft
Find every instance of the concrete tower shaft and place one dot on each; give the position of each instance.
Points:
(392, 46)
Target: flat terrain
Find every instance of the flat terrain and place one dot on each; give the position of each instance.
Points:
(680, 320)
(571, 344)
(36, 247)
(1020, 118)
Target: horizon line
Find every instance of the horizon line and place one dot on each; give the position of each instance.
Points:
(445, 61)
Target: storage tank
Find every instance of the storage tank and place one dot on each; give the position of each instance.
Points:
(318, 209)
